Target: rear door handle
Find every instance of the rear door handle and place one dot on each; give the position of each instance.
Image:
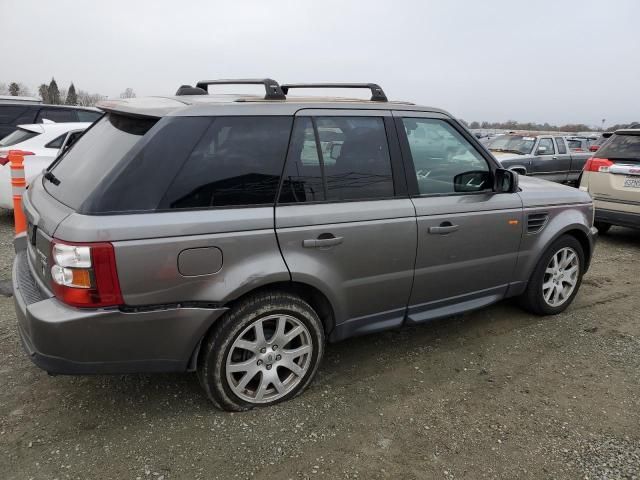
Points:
(325, 241)
(444, 229)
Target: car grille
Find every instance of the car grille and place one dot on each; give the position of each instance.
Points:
(26, 283)
(536, 222)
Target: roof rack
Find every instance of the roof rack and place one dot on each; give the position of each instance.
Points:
(377, 94)
(271, 87)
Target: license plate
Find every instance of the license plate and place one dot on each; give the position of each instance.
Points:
(632, 182)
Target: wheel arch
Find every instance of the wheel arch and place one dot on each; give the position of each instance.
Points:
(310, 294)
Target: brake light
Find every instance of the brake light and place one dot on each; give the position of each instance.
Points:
(594, 148)
(85, 275)
(595, 164)
(4, 155)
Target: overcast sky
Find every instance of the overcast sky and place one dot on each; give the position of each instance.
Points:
(562, 61)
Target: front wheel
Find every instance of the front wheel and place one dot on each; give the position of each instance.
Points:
(265, 350)
(556, 278)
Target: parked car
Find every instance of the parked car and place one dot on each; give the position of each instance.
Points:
(600, 141)
(41, 144)
(612, 177)
(234, 235)
(14, 113)
(543, 156)
(578, 144)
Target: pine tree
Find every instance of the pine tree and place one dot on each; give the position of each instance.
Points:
(14, 89)
(72, 97)
(43, 90)
(54, 93)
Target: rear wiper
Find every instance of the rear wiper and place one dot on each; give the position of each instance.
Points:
(52, 178)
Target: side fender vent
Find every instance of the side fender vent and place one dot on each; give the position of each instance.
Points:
(536, 222)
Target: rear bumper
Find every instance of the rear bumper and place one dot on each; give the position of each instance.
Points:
(616, 217)
(66, 340)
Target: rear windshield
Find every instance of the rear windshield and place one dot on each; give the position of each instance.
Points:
(91, 159)
(622, 147)
(18, 136)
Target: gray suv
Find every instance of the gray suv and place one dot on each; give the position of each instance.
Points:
(234, 235)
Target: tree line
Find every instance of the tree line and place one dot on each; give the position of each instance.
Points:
(546, 127)
(53, 95)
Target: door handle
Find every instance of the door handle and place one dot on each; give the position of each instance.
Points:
(322, 241)
(444, 229)
(554, 158)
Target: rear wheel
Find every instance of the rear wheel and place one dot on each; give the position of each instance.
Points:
(265, 350)
(556, 279)
(603, 228)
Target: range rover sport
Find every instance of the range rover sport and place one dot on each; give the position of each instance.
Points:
(234, 235)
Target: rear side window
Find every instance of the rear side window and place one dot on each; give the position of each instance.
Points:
(86, 116)
(338, 158)
(560, 145)
(58, 115)
(56, 142)
(623, 147)
(238, 161)
(18, 136)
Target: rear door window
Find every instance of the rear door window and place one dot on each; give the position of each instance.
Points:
(560, 145)
(237, 162)
(58, 115)
(336, 159)
(9, 114)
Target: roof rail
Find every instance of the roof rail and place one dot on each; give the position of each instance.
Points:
(377, 94)
(189, 90)
(271, 87)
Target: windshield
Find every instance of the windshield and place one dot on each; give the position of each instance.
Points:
(16, 137)
(621, 147)
(512, 143)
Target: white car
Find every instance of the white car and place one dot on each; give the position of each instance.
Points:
(42, 142)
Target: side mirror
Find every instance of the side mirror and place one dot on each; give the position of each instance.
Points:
(473, 181)
(505, 181)
(541, 151)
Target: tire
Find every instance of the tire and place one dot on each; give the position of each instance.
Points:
(603, 228)
(534, 298)
(235, 349)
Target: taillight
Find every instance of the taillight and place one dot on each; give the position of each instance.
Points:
(4, 155)
(85, 275)
(595, 164)
(594, 148)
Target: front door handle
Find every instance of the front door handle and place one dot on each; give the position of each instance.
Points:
(444, 229)
(324, 240)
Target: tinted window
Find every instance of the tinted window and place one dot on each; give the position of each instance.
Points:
(58, 115)
(9, 114)
(86, 116)
(16, 137)
(238, 161)
(349, 161)
(56, 142)
(561, 146)
(548, 144)
(94, 156)
(623, 147)
(440, 153)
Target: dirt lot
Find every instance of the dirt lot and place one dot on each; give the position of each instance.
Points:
(493, 394)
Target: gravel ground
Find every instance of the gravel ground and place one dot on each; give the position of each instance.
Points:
(493, 394)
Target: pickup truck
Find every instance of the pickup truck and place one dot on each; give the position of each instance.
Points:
(543, 156)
